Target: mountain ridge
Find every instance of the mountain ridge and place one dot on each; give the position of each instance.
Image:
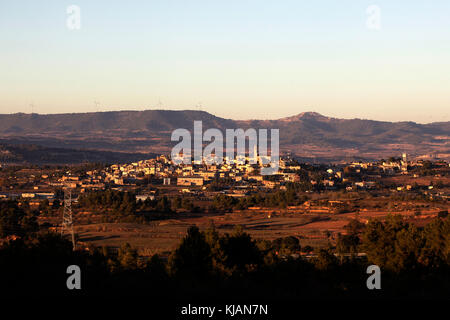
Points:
(306, 134)
(300, 115)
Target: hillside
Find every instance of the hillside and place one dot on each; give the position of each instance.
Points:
(308, 134)
(34, 154)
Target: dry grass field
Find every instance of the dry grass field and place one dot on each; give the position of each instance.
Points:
(314, 229)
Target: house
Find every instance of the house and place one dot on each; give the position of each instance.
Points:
(269, 184)
(28, 195)
(291, 177)
(190, 181)
(144, 197)
(206, 174)
(257, 178)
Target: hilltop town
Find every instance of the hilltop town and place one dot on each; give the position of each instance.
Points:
(235, 180)
(312, 201)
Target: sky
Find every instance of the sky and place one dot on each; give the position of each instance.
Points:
(239, 59)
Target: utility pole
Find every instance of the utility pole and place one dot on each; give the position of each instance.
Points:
(67, 221)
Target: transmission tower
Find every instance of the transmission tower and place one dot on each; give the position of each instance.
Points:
(67, 221)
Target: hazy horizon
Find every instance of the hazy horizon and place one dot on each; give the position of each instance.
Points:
(238, 59)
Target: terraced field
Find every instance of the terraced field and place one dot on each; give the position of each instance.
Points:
(314, 229)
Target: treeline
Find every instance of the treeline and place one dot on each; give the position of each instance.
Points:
(414, 263)
(120, 203)
(15, 220)
(277, 199)
(123, 206)
(398, 246)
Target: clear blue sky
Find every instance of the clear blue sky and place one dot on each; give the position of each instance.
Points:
(240, 59)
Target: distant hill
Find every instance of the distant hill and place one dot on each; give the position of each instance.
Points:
(309, 135)
(34, 154)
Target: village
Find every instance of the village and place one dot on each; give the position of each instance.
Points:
(313, 202)
(235, 180)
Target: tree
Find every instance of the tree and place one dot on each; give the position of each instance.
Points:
(347, 244)
(193, 256)
(127, 257)
(163, 205)
(15, 221)
(286, 245)
(393, 244)
(436, 249)
(238, 251)
(176, 202)
(354, 227)
(325, 260)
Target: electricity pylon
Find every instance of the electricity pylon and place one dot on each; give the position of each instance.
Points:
(67, 221)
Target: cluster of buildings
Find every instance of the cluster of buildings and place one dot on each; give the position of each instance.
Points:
(237, 177)
(187, 175)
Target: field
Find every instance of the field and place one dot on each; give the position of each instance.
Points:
(314, 229)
